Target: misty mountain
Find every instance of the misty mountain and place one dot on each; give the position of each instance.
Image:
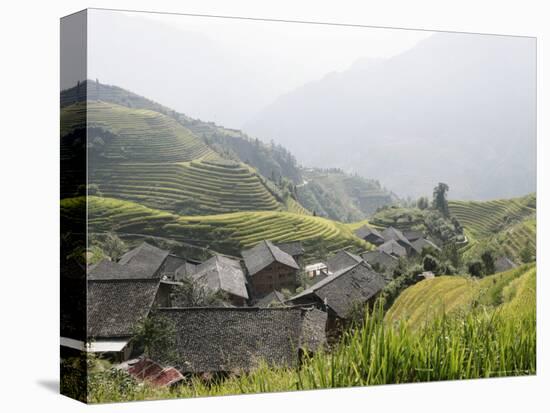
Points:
(456, 108)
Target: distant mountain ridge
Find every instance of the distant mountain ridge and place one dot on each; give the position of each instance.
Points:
(456, 108)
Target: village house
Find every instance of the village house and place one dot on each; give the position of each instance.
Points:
(340, 292)
(114, 309)
(294, 249)
(342, 259)
(370, 234)
(269, 268)
(421, 243)
(222, 274)
(413, 235)
(173, 263)
(393, 234)
(142, 262)
(392, 247)
(273, 299)
(381, 261)
(234, 340)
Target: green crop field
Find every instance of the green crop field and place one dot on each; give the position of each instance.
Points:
(483, 219)
(226, 233)
(196, 187)
(134, 135)
(507, 226)
(459, 294)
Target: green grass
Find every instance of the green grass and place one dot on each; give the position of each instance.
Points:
(226, 233)
(484, 342)
(454, 294)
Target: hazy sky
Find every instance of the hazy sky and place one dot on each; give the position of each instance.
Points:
(236, 67)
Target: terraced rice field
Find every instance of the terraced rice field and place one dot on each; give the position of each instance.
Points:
(136, 134)
(483, 219)
(196, 187)
(457, 295)
(226, 233)
(144, 156)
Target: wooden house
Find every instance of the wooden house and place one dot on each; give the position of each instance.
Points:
(269, 268)
(369, 234)
(342, 259)
(340, 292)
(294, 249)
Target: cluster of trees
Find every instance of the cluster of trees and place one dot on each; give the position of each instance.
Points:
(483, 266)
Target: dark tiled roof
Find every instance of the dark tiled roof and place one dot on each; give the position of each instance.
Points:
(108, 270)
(274, 297)
(145, 259)
(412, 235)
(366, 230)
(389, 262)
(342, 259)
(264, 254)
(185, 270)
(237, 339)
(293, 248)
(422, 243)
(504, 264)
(394, 248)
(172, 263)
(392, 233)
(222, 273)
(342, 290)
(142, 262)
(116, 306)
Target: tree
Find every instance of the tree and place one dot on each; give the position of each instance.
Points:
(422, 203)
(525, 254)
(430, 263)
(440, 198)
(156, 335)
(488, 262)
(475, 268)
(110, 244)
(193, 294)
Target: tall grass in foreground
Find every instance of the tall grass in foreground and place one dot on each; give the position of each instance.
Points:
(481, 344)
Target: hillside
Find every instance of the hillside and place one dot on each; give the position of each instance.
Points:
(148, 157)
(234, 144)
(507, 226)
(459, 295)
(344, 197)
(225, 233)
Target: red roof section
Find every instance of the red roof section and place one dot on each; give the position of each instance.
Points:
(148, 370)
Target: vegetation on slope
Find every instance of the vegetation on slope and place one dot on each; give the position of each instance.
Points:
(334, 194)
(460, 295)
(225, 233)
(506, 226)
(483, 219)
